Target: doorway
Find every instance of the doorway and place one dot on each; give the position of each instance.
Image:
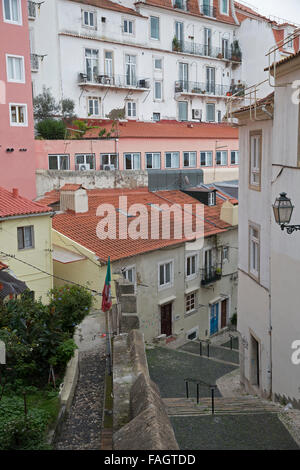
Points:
(166, 319)
(255, 365)
(224, 310)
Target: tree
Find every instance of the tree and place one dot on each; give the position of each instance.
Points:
(51, 129)
(45, 106)
(67, 108)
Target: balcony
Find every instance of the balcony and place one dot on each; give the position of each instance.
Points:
(114, 81)
(203, 50)
(31, 10)
(211, 274)
(207, 10)
(34, 59)
(201, 88)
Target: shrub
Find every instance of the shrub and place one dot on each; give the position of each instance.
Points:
(45, 106)
(51, 129)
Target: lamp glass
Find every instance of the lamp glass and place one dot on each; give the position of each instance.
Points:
(283, 209)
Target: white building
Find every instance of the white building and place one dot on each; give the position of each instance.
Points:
(155, 59)
(269, 258)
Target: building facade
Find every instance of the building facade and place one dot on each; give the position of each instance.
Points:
(17, 159)
(269, 265)
(151, 59)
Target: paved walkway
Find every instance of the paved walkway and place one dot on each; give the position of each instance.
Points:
(82, 427)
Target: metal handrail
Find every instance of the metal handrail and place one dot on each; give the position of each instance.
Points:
(114, 80)
(198, 382)
(204, 50)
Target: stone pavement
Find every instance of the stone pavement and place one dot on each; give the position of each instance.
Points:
(82, 427)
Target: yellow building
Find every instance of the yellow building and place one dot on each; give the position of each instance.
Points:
(25, 241)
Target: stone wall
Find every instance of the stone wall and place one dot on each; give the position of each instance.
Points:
(140, 420)
(47, 180)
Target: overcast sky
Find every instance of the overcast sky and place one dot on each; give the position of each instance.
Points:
(287, 9)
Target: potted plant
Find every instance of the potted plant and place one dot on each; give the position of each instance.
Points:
(236, 54)
(176, 44)
(220, 55)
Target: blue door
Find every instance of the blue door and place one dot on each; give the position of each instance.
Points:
(214, 318)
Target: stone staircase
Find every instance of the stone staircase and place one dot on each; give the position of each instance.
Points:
(223, 406)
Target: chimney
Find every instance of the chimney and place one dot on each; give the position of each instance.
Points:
(74, 198)
(15, 192)
(230, 213)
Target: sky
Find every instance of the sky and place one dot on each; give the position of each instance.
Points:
(287, 9)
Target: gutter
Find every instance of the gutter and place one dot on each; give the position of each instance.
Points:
(51, 214)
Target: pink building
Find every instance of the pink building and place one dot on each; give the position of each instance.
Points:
(17, 160)
(143, 145)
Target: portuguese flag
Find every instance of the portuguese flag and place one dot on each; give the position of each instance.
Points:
(106, 293)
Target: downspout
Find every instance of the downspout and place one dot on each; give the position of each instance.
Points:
(264, 109)
(234, 12)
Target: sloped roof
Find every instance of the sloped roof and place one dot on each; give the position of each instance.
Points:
(165, 129)
(82, 227)
(267, 100)
(285, 60)
(108, 5)
(10, 285)
(3, 266)
(11, 204)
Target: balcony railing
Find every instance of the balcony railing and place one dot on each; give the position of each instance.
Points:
(202, 88)
(208, 10)
(114, 81)
(204, 50)
(34, 58)
(31, 10)
(211, 274)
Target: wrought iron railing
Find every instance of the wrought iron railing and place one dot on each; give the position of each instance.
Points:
(211, 274)
(201, 88)
(34, 58)
(205, 50)
(123, 81)
(31, 9)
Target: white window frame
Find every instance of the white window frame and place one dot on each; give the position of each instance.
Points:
(94, 99)
(58, 155)
(129, 114)
(188, 301)
(18, 124)
(222, 11)
(222, 159)
(206, 158)
(85, 155)
(236, 157)
(192, 275)
(211, 198)
(155, 120)
(172, 156)
(12, 56)
(127, 20)
(161, 61)
(89, 12)
(125, 273)
(161, 90)
(151, 154)
(109, 155)
(132, 154)
(255, 160)
(19, 22)
(225, 253)
(158, 21)
(254, 250)
(189, 156)
(209, 105)
(171, 282)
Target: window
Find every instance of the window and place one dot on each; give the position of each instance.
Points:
(234, 160)
(206, 8)
(179, 31)
(211, 201)
(153, 161)
(210, 112)
(158, 90)
(190, 159)
(25, 237)
(254, 250)
(156, 117)
(172, 160)
(180, 4)
(92, 64)
(183, 110)
(207, 41)
(108, 63)
(255, 160)
(165, 274)
(184, 76)
(12, 11)
(130, 67)
(224, 7)
(89, 19)
(225, 254)
(191, 266)
(225, 48)
(110, 159)
(206, 158)
(129, 274)
(154, 26)
(15, 69)
(221, 158)
(158, 64)
(131, 109)
(85, 161)
(132, 161)
(18, 115)
(128, 27)
(219, 116)
(93, 106)
(59, 162)
(211, 80)
(190, 303)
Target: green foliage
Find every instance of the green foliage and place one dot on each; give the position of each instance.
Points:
(67, 108)
(51, 129)
(176, 44)
(64, 352)
(45, 106)
(234, 319)
(116, 114)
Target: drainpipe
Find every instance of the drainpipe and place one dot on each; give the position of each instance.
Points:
(264, 109)
(269, 370)
(233, 12)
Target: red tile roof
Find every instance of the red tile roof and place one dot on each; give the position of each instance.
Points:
(108, 5)
(12, 204)
(267, 100)
(3, 266)
(82, 227)
(71, 187)
(165, 129)
(284, 60)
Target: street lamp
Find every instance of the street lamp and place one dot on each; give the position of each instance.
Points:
(283, 210)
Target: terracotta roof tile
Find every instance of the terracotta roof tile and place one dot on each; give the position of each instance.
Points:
(11, 205)
(285, 60)
(269, 99)
(82, 227)
(3, 266)
(71, 187)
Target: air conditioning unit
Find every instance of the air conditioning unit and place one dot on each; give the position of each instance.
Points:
(109, 167)
(197, 114)
(83, 166)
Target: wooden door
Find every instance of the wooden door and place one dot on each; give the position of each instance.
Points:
(166, 319)
(223, 313)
